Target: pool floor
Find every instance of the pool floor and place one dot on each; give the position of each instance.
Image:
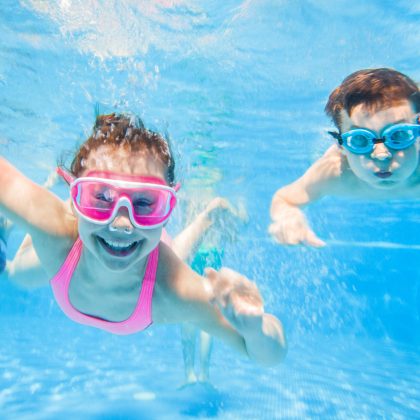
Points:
(53, 369)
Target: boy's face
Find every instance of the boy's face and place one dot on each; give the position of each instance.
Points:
(383, 167)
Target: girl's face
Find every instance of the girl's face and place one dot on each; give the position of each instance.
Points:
(119, 245)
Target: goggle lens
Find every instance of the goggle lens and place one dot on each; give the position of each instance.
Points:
(358, 141)
(400, 139)
(397, 137)
(149, 205)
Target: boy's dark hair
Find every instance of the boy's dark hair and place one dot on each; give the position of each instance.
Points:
(373, 87)
(115, 131)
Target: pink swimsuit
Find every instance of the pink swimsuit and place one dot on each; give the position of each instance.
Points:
(141, 317)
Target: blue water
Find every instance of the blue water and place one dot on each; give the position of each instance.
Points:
(240, 87)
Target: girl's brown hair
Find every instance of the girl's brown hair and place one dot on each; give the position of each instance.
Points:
(116, 130)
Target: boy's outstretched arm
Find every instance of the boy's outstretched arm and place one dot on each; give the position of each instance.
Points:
(289, 225)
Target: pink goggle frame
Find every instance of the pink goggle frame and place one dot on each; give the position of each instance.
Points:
(149, 200)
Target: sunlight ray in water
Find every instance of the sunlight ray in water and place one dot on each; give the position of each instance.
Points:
(379, 244)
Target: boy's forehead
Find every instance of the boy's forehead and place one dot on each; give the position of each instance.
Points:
(125, 161)
(375, 118)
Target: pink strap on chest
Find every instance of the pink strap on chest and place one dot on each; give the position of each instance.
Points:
(141, 317)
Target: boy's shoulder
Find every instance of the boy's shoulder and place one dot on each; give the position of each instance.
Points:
(329, 172)
(331, 164)
(334, 176)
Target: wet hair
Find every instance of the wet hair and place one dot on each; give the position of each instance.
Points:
(119, 130)
(375, 88)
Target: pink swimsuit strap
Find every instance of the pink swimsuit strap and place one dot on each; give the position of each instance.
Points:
(141, 317)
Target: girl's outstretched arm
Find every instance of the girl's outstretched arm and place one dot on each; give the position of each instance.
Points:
(44, 216)
(29, 205)
(25, 270)
(225, 304)
(240, 302)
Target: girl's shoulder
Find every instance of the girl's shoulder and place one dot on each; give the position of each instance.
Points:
(170, 271)
(52, 250)
(177, 285)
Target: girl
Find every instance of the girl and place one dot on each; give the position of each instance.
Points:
(187, 245)
(108, 266)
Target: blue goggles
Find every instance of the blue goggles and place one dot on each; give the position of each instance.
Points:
(362, 140)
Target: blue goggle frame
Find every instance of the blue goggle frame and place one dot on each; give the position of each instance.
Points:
(362, 140)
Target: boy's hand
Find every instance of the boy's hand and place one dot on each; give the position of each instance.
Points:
(238, 299)
(291, 228)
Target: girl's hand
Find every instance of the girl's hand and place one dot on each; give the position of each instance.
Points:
(238, 299)
(261, 335)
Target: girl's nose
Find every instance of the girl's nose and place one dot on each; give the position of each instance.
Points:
(122, 222)
(380, 152)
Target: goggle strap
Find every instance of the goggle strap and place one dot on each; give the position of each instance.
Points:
(337, 136)
(66, 175)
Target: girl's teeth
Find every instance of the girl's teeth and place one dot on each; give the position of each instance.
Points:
(119, 245)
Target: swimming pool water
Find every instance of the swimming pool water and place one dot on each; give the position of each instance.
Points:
(240, 86)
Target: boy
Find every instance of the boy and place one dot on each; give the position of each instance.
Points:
(376, 155)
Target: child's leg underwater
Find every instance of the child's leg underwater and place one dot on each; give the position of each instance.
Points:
(206, 344)
(188, 338)
(189, 335)
(187, 246)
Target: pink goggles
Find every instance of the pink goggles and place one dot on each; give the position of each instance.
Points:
(149, 200)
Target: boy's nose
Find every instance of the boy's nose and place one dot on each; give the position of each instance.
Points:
(122, 222)
(380, 152)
